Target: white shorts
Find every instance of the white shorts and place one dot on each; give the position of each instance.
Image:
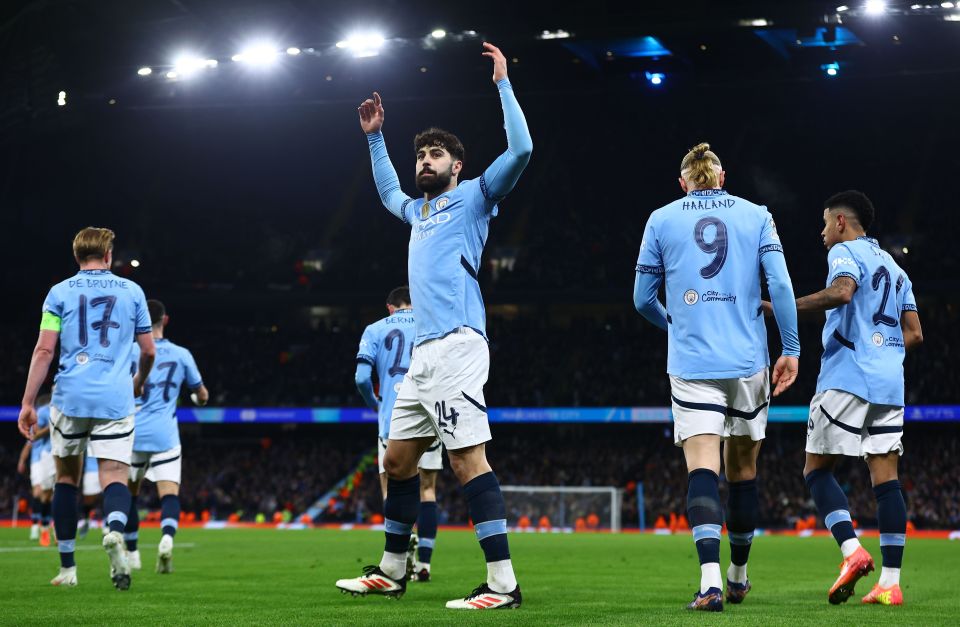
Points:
(164, 466)
(91, 483)
(724, 407)
(442, 393)
(109, 439)
(432, 459)
(842, 423)
(43, 472)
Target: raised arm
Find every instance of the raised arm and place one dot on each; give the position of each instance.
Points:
(384, 174)
(501, 176)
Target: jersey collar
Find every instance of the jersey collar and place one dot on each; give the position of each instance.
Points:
(867, 238)
(398, 311)
(94, 272)
(707, 192)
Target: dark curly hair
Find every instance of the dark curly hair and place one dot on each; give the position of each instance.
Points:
(438, 137)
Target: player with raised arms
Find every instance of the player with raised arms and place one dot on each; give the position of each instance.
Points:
(710, 247)
(156, 443)
(857, 411)
(386, 345)
(42, 473)
(442, 393)
(95, 316)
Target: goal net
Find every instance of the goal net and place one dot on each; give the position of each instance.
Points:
(563, 508)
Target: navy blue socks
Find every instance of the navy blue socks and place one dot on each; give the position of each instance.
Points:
(704, 513)
(427, 530)
(170, 514)
(400, 512)
(65, 521)
(116, 505)
(892, 519)
(132, 531)
(743, 514)
(489, 515)
(831, 504)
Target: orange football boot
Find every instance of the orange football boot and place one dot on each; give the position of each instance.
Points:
(884, 596)
(851, 570)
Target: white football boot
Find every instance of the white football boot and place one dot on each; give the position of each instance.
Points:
(373, 581)
(165, 555)
(133, 558)
(483, 598)
(67, 577)
(119, 567)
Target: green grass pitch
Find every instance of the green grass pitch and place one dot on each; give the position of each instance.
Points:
(265, 576)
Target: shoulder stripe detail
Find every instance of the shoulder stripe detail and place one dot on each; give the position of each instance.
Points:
(403, 209)
(909, 307)
(846, 274)
(770, 248)
(365, 359)
(650, 269)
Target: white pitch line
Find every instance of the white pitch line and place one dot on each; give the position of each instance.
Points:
(82, 547)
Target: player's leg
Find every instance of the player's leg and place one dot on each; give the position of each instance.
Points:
(111, 443)
(46, 508)
(833, 429)
(131, 534)
(699, 414)
(882, 449)
(748, 401)
(381, 451)
(35, 507)
(164, 470)
(743, 510)
(68, 439)
(427, 520)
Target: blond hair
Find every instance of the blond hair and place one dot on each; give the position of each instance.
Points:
(701, 167)
(92, 242)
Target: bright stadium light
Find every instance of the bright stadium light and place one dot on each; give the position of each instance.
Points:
(656, 78)
(554, 34)
(186, 65)
(946, 5)
(171, 74)
(257, 55)
(438, 33)
(145, 71)
(293, 51)
(62, 99)
(135, 263)
(842, 8)
(831, 69)
(875, 7)
(363, 44)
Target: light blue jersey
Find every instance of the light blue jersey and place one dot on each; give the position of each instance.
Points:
(97, 315)
(155, 426)
(387, 346)
(863, 346)
(709, 246)
(448, 233)
(41, 445)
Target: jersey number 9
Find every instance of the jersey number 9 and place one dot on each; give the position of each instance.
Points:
(717, 247)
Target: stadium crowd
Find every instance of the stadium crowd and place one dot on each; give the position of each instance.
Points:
(243, 471)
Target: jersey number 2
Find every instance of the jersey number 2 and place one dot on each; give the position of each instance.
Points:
(717, 247)
(396, 368)
(882, 275)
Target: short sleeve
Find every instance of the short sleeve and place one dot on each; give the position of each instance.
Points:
(51, 318)
(142, 313)
(769, 238)
(841, 263)
(909, 300)
(650, 260)
(369, 345)
(191, 372)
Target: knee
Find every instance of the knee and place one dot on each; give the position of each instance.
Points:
(738, 474)
(396, 469)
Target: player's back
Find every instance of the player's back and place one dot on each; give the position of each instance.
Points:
(863, 348)
(99, 315)
(709, 244)
(388, 345)
(156, 422)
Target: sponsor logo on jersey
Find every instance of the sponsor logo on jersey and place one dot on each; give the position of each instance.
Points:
(691, 297)
(877, 339)
(718, 297)
(842, 261)
(82, 358)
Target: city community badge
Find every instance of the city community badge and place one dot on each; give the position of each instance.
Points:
(877, 339)
(82, 358)
(691, 297)
(442, 203)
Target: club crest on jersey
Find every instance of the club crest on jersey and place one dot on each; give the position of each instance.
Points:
(442, 203)
(82, 358)
(691, 297)
(425, 211)
(877, 339)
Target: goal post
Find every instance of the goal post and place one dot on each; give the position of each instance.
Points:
(564, 508)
